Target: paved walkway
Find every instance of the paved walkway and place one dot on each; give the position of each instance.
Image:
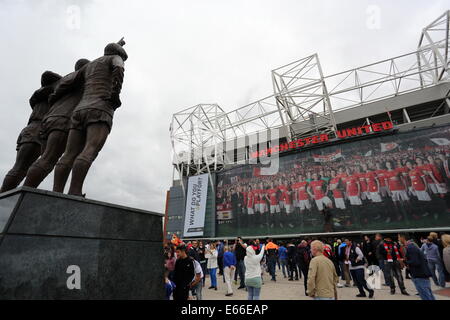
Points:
(283, 289)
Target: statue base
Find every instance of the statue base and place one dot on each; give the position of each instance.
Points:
(59, 247)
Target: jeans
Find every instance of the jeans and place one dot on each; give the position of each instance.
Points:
(213, 275)
(198, 290)
(229, 276)
(205, 271)
(393, 271)
(319, 298)
(341, 266)
(436, 266)
(292, 269)
(272, 263)
(386, 277)
(284, 263)
(360, 280)
(423, 286)
(304, 270)
(240, 270)
(253, 293)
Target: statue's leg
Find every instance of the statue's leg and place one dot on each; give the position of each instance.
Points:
(96, 136)
(26, 155)
(75, 144)
(55, 146)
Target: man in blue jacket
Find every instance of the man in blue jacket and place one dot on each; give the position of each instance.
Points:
(418, 267)
(283, 258)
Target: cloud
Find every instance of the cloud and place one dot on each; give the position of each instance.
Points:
(182, 53)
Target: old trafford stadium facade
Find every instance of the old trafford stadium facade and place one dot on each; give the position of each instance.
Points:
(361, 151)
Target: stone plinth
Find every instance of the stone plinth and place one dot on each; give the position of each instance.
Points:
(43, 235)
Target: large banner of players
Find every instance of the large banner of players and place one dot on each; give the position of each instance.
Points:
(399, 181)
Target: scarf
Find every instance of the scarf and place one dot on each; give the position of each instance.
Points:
(327, 252)
(388, 247)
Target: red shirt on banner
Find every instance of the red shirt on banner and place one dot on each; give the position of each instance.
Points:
(295, 187)
(416, 176)
(337, 194)
(426, 169)
(394, 181)
(436, 173)
(351, 183)
(283, 190)
(317, 187)
(259, 196)
(362, 181)
(302, 194)
(381, 174)
(372, 185)
(250, 199)
(273, 196)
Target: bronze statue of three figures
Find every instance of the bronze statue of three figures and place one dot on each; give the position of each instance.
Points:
(71, 119)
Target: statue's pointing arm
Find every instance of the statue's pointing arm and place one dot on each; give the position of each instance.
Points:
(118, 73)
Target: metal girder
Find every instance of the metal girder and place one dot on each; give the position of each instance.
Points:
(305, 100)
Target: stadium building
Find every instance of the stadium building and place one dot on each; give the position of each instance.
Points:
(361, 151)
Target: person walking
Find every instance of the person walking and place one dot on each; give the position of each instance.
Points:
(212, 254)
(322, 276)
(253, 279)
(345, 263)
(193, 251)
(183, 274)
(169, 286)
(197, 282)
(355, 257)
(418, 267)
(272, 252)
(446, 251)
(240, 252)
(440, 244)
(203, 261)
(336, 245)
(292, 261)
(377, 247)
(229, 269)
(303, 259)
(392, 260)
(431, 251)
(170, 261)
(283, 259)
(367, 250)
(219, 248)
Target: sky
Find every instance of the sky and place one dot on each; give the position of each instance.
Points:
(182, 53)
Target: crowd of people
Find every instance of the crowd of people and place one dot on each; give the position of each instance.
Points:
(408, 183)
(324, 264)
